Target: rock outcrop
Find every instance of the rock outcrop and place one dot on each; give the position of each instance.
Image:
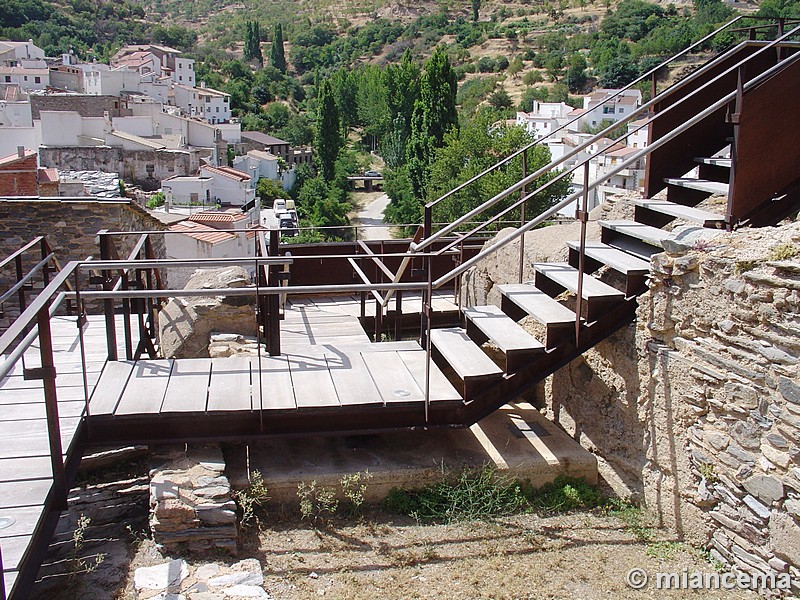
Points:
(185, 324)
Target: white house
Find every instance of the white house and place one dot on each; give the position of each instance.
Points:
(229, 186)
(638, 139)
(15, 113)
(545, 118)
(142, 62)
(11, 53)
(188, 191)
(26, 79)
(216, 105)
(629, 178)
(258, 164)
(184, 72)
(618, 108)
(101, 80)
(209, 234)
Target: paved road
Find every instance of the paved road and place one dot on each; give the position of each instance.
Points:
(371, 218)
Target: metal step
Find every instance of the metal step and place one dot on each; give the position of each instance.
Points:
(668, 211)
(714, 161)
(620, 261)
(489, 322)
(598, 297)
(472, 366)
(524, 299)
(700, 185)
(639, 231)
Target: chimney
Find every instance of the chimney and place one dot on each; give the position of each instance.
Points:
(21, 151)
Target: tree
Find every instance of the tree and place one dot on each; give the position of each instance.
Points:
(252, 42)
(576, 73)
(476, 8)
(419, 152)
(438, 96)
(267, 190)
(276, 53)
(328, 140)
(500, 99)
(619, 72)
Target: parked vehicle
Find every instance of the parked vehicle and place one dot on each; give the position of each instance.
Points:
(373, 174)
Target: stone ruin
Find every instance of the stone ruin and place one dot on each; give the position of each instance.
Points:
(191, 506)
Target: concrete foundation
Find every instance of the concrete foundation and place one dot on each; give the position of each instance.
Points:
(517, 440)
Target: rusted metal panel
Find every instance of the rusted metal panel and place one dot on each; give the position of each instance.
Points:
(676, 157)
(767, 152)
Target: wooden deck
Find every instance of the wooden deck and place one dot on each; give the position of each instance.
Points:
(26, 475)
(330, 377)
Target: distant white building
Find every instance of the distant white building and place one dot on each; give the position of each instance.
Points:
(192, 191)
(620, 107)
(638, 139)
(229, 186)
(102, 80)
(258, 164)
(544, 118)
(11, 53)
(27, 79)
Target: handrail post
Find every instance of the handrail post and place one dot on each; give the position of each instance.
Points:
(425, 332)
(2, 578)
(48, 375)
(582, 214)
(522, 193)
(108, 303)
(734, 120)
(273, 300)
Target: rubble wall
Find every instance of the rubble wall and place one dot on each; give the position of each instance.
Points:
(694, 409)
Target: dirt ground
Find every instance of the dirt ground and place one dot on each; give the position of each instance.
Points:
(584, 555)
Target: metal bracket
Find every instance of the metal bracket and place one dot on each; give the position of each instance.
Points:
(421, 273)
(96, 280)
(582, 216)
(39, 373)
(732, 118)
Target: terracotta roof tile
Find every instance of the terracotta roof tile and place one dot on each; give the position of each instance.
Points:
(202, 232)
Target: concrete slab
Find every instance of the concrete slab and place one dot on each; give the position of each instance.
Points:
(516, 439)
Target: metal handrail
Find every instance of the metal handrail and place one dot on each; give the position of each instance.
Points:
(641, 78)
(556, 163)
(623, 165)
(20, 251)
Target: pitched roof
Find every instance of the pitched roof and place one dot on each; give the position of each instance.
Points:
(202, 232)
(262, 154)
(263, 138)
(216, 216)
(228, 172)
(12, 158)
(48, 176)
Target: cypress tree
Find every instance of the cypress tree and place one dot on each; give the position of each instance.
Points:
(257, 43)
(328, 139)
(277, 57)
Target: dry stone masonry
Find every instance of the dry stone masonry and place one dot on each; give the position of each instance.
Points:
(190, 502)
(695, 408)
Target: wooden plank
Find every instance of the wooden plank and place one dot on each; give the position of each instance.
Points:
(28, 467)
(19, 439)
(274, 392)
(312, 382)
(36, 410)
(501, 329)
(24, 493)
(229, 388)
(10, 578)
(567, 277)
(461, 353)
(109, 389)
(26, 518)
(147, 384)
(538, 304)
(440, 388)
(13, 550)
(352, 379)
(187, 390)
(394, 381)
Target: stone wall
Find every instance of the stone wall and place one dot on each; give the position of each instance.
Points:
(145, 168)
(695, 408)
(71, 229)
(85, 106)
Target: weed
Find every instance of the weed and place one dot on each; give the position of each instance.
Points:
(664, 550)
(254, 495)
(743, 266)
(354, 488)
(783, 252)
(473, 495)
(634, 518)
(708, 473)
(77, 563)
(316, 502)
(563, 494)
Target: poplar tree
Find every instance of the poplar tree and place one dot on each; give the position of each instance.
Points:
(438, 96)
(276, 55)
(328, 139)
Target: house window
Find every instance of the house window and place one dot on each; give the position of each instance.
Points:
(8, 78)
(180, 77)
(218, 109)
(621, 110)
(608, 110)
(194, 198)
(208, 98)
(37, 80)
(26, 77)
(225, 99)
